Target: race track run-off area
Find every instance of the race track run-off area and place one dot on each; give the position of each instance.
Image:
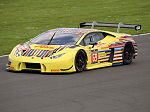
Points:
(113, 89)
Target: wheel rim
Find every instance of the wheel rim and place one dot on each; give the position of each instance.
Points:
(80, 62)
(127, 55)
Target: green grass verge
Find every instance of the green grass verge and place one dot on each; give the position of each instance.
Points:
(24, 19)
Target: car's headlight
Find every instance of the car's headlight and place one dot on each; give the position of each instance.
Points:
(57, 56)
(9, 62)
(17, 53)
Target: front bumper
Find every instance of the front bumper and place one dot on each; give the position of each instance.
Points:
(45, 65)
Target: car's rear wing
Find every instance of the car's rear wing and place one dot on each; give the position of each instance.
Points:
(118, 25)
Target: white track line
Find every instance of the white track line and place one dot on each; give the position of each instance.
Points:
(132, 35)
(4, 55)
(141, 34)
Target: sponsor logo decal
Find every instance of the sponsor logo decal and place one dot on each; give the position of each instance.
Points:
(100, 44)
(12, 68)
(44, 46)
(55, 70)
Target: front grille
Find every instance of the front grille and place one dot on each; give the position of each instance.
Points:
(33, 65)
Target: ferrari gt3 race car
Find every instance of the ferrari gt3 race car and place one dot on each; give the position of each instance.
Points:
(75, 49)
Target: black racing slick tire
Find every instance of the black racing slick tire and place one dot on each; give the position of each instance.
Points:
(80, 61)
(128, 54)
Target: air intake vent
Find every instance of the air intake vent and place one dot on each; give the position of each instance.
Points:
(33, 65)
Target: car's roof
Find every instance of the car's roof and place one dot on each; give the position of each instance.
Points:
(73, 30)
(82, 31)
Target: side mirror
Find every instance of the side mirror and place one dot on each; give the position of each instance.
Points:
(93, 44)
(29, 39)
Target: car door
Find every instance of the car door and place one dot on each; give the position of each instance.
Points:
(90, 41)
(98, 45)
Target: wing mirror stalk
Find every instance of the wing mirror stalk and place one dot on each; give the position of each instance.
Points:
(93, 44)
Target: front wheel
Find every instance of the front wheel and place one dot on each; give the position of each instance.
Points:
(128, 54)
(80, 61)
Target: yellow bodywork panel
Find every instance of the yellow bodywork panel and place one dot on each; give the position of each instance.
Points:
(61, 58)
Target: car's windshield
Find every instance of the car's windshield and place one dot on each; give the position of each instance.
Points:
(56, 38)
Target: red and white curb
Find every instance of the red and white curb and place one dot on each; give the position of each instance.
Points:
(132, 35)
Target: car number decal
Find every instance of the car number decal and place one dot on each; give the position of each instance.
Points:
(94, 56)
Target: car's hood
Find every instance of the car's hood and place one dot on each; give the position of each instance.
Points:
(40, 50)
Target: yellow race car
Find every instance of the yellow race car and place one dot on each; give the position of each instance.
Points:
(75, 49)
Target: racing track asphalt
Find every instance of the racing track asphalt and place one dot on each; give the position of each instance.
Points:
(114, 89)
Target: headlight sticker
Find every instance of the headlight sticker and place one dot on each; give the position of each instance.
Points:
(57, 56)
(23, 47)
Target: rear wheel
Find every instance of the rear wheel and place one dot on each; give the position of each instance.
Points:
(80, 61)
(128, 54)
